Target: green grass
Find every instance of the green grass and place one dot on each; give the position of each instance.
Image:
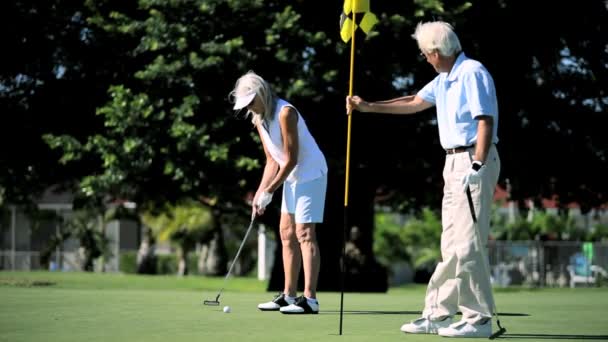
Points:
(43, 306)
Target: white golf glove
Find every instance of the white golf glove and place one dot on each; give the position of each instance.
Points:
(473, 175)
(264, 199)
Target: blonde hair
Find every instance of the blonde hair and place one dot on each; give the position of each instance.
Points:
(252, 82)
(437, 35)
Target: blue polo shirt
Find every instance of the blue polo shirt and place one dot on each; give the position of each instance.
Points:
(461, 96)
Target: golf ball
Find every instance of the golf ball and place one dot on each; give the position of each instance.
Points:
(226, 309)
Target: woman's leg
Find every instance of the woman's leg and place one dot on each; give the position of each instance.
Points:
(292, 257)
(311, 257)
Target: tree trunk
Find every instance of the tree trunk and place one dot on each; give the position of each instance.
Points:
(182, 264)
(146, 256)
(85, 258)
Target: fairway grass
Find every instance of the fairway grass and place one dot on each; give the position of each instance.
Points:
(44, 306)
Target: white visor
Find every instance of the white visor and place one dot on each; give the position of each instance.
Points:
(243, 101)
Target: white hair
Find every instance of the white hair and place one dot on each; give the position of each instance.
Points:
(252, 82)
(437, 35)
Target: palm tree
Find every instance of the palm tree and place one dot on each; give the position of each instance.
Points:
(182, 224)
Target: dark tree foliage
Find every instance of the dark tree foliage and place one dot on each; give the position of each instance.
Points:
(54, 72)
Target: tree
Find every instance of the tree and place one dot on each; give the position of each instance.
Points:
(552, 95)
(184, 225)
(415, 241)
(87, 227)
(56, 73)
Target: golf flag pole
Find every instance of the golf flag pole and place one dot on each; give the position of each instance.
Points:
(347, 31)
(347, 166)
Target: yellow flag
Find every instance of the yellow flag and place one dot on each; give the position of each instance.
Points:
(366, 23)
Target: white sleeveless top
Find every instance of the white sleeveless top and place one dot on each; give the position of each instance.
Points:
(311, 162)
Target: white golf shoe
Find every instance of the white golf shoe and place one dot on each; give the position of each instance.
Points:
(425, 326)
(464, 329)
(301, 306)
(277, 303)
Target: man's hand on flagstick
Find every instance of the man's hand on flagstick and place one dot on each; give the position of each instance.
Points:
(355, 103)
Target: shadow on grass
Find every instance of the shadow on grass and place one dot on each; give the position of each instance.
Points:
(25, 282)
(555, 337)
(381, 312)
(548, 337)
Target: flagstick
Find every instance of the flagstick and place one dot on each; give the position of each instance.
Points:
(347, 173)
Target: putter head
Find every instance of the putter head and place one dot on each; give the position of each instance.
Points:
(215, 302)
(498, 333)
(211, 302)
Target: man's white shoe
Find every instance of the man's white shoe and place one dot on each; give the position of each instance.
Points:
(464, 329)
(425, 326)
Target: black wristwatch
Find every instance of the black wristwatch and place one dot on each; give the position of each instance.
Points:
(476, 165)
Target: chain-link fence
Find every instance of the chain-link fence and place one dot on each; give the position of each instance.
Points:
(512, 263)
(548, 263)
(32, 261)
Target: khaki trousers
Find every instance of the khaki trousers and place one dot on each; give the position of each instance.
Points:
(460, 282)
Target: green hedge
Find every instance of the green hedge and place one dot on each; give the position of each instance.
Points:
(128, 262)
(165, 264)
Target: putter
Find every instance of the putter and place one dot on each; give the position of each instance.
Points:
(216, 302)
(501, 330)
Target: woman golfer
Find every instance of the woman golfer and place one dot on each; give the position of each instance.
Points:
(293, 160)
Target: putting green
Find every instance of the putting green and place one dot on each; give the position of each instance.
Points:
(110, 307)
